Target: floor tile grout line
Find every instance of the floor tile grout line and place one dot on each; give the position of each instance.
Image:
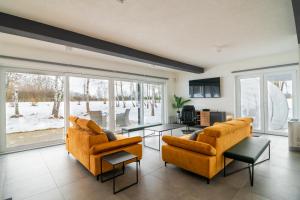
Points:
(57, 187)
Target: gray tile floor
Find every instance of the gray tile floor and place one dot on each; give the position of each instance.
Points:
(49, 173)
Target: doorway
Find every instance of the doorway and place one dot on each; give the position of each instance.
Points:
(270, 98)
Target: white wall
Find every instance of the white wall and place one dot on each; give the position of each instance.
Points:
(227, 100)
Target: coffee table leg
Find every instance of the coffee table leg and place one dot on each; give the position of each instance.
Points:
(126, 187)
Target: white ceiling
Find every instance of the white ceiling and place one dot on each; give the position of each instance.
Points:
(200, 32)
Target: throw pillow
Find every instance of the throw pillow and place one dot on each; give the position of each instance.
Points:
(194, 135)
(110, 135)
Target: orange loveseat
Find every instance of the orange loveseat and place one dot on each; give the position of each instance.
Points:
(87, 142)
(205, 155)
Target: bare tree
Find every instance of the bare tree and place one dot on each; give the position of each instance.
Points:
(101, 92)
(148, 95)
(117, 95)
(87, 94)
(12, 82)
(58, 96)
(132, 94)
(122, 94)
(153, 101)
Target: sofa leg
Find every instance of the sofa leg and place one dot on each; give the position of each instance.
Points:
(207, 180)
(139, 163)
(97, 177)
(165, 164)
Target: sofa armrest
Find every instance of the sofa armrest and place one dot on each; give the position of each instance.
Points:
(114, 144)
(190, 145)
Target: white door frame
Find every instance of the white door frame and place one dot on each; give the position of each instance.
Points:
(263, 74)
(293, 74)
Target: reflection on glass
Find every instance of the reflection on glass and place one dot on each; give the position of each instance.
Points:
(280, 104)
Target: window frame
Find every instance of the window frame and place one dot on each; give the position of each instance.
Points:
(110, 77)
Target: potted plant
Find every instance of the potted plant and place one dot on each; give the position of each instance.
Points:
(177, 104)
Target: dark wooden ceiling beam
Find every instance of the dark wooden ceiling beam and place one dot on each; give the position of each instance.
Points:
(32, 29)
(296, 8)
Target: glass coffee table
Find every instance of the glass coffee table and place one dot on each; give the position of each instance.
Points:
(157, 131)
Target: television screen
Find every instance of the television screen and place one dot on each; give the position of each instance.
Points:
(205, 88)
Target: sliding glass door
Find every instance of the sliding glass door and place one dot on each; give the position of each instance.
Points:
(280, 100)
(269, 98)
(152, 103)
(250, 100)
(89, 99)
(37, 105)
(34, 109)
(127, 104)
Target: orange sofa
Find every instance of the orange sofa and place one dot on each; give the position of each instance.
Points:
(87, 142)
(205, 155)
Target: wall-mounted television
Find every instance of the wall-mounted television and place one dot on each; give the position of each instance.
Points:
(205, 88)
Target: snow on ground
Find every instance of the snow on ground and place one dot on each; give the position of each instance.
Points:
(38, 117)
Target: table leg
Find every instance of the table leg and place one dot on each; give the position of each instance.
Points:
(224, 170)
(126, 187)
(159, 136)
(114, 180)
(137, 171)
(252, 178)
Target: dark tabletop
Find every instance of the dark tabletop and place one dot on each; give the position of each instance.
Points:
(165, 127)
(248, 150)
(118, 157)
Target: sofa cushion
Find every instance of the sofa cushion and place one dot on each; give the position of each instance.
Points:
(73, 120)
(110, 135)
(115, 144)
(89, 125)
(190, 145)
(221, 129)
(248, 120)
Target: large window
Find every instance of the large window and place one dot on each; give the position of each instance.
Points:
(89, 99)
(34, 109)
(152, 103)
(36, 114)
(127, 105)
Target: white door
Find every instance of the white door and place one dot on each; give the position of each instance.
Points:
(280, 101)
(249, 99)
(269, 98)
